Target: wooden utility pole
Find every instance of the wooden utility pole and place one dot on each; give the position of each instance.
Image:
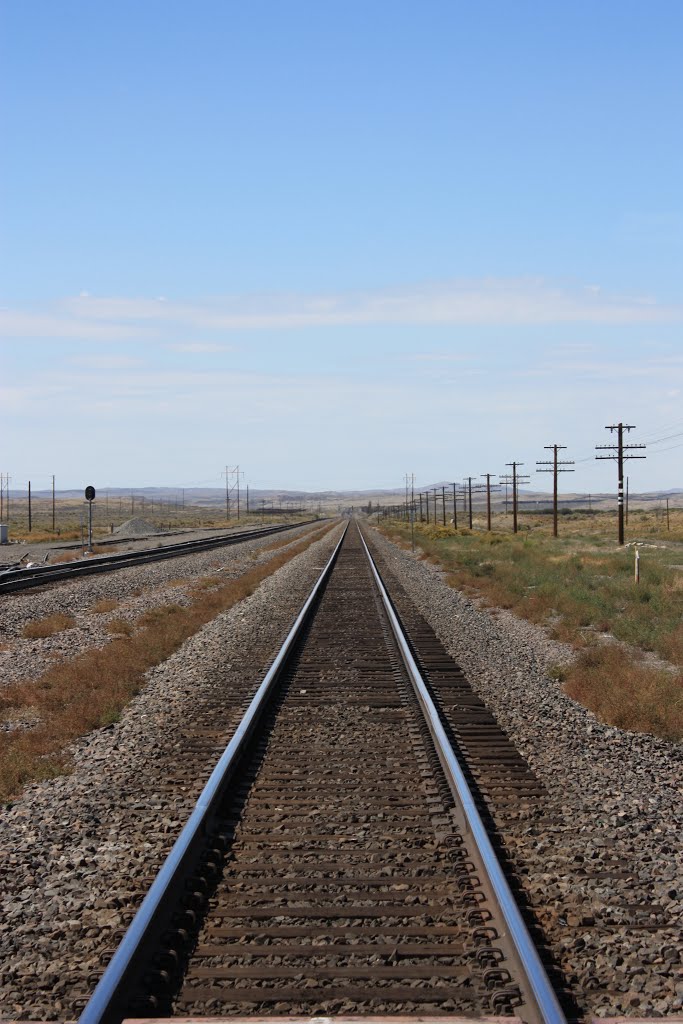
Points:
(435, 489)
(30, 521)
(455, 510)
(53, 503)
(488, 499)
(515, 479)
(477, 487)
(556, 467)
(619, 449)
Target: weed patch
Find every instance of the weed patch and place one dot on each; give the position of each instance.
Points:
(578, 586)
(626, 692)
(49, 626)
(120, 627)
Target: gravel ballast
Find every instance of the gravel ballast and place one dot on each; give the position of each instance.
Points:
(615, 800)
(135, 590)
(78, 851)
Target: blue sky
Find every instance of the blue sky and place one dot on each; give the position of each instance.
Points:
(335, 242)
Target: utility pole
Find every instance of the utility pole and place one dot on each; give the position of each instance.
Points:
(515, 480)
(29, 507)
(53, 503)
(619, 449)
(556, 467)
(668, 524)
(435, 489)
(488, 499)
(443, 499)
(468, 481)
(455, 510)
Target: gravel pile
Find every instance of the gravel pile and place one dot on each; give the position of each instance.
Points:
(78, 851)
(137, 527)
(136, 590)
(604, 858)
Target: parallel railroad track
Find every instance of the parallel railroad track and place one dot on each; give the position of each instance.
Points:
(336, 861)
(41, 575)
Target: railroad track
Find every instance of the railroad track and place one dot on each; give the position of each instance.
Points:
(41, 575)
(337, 862)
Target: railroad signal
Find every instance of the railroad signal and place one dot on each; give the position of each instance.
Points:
(619, 449)
(555, 468)
(89, 497)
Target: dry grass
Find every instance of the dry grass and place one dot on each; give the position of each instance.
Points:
(579, 586)
(64, 556)
(107, 604)
(89, 691)
(626, 692)
(51, 624)
(120, 627)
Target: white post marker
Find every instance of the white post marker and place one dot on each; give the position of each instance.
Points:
(637, 566)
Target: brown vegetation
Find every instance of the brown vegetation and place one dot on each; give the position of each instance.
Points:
(627, 692)
(64, 556)
(90, 690)
(107, 604)
(580, 586)
(120, 627)
(38, 629)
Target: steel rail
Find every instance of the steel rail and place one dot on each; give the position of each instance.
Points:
(538, 986)
(20, 579)
(104, 1006)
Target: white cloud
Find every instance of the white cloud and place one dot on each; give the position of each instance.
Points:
(106, 362)
(485, 301)
(199, 347)
(25, 324)
(513, 301)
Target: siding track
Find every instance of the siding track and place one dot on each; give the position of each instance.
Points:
(21, 579)
(330, 866)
